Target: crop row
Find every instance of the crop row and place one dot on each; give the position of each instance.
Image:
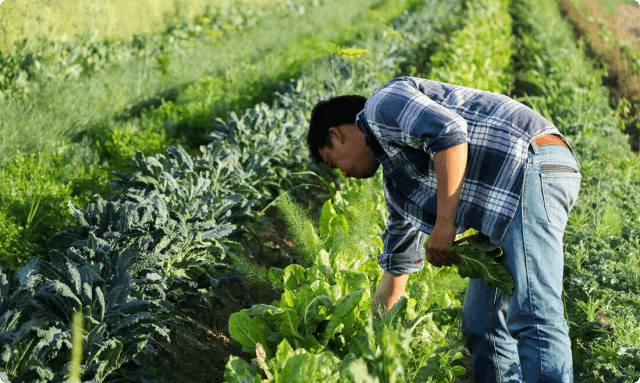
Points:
(136, 257)
(312, 328)
(602, 249)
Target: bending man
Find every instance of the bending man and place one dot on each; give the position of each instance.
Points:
(455, 158)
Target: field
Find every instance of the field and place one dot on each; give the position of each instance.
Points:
(161, 221)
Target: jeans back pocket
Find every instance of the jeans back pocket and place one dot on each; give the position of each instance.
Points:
(560, 188)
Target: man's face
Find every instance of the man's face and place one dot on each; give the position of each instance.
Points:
(349, 153)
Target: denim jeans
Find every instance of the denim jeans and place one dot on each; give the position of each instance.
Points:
(525, 337)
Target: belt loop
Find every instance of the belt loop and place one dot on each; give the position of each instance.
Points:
(534, 146)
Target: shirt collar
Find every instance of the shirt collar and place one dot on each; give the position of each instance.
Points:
(363, 125)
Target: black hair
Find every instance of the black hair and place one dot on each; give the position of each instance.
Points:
(336, 111)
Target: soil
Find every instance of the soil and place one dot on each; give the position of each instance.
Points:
(619, 79)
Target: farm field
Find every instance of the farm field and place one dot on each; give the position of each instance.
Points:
(160, 219)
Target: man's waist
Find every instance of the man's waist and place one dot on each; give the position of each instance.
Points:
(549, 139)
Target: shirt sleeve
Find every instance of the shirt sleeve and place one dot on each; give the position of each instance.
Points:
(402, 245)
(401, 114)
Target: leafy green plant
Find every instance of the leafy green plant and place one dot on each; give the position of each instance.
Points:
(479, 259)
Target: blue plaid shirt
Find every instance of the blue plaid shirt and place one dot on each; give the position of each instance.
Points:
(408, 120)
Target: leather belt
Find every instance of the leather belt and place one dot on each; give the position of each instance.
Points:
(550, 139)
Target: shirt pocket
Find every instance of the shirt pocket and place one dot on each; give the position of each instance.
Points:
(560, 188)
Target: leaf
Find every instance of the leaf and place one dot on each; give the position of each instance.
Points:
(28, 271)
(219, 231)
(357, 372)
(476, 263)
(351, 280)
(93, 342)
(237, 371)
(248, 332)
(303, 366)
(284, 352)
(311, 317)
(109, 359)
(294, 277)
(396, 312)
(328, 212)
(458, 370)
(289, 324)
(483, 244)
(344, 306)
(427, 371)
(420, 292)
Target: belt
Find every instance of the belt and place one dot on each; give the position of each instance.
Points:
(550, 139)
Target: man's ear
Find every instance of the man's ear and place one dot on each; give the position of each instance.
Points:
(335, 135)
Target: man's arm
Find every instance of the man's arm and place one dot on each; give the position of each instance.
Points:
(450, 165)
(390, 288)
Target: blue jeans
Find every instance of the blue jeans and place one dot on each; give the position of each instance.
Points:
(525, 336)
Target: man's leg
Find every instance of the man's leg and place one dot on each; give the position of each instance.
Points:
(536, 315)
(494, 352)
(530, 324)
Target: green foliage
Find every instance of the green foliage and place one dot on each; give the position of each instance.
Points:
(133, 109)
(461, 62)
(326, 305)
(32, 203)
(42, 58)
(157, 241)
(300, 226)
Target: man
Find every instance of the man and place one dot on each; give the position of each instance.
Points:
(455, 158)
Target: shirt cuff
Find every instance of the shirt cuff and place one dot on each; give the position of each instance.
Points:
(437, 144)
(401, 263)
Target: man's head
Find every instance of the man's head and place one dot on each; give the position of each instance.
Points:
(335, 139)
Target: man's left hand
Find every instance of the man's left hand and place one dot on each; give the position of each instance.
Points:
(442, 237)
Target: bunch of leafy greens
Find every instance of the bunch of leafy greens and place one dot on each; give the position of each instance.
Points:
(479, 260)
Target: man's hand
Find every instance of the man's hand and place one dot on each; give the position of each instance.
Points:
(442, 237)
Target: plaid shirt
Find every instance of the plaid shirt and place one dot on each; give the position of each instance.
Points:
(408, 120)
